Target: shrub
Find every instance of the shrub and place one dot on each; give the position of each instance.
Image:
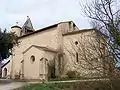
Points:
(71, 74)
(17, 76)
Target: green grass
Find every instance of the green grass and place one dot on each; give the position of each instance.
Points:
(42, 87)
(90, 85)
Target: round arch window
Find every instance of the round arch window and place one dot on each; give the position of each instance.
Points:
(32, 58)
(5, 72)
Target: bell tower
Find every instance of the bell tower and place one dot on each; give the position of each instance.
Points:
(27, 27)
(16, 29)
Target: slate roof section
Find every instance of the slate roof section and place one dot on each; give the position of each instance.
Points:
(28, 25)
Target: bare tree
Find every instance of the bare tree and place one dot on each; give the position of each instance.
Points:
(90, 57)
(105, 16)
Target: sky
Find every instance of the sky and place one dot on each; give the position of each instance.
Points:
(42, 13)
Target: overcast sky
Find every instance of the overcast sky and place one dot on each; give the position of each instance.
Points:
(41, 12)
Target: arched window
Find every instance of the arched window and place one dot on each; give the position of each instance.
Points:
(32, 58)
(5, 72)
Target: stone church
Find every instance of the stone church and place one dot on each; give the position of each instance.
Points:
(45, 53)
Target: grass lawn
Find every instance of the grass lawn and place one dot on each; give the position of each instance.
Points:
(71, 86)
(42, 87)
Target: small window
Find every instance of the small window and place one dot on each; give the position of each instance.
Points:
(76, 42)
(69, 24)
(73, 26)
(77, 57)
(32, 58)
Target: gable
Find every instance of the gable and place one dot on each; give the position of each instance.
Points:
(40, 48)
(5, 64)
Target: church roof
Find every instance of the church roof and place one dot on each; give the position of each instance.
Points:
(40, 30)
(55, 25)
(43, 29)
(78, 31)
(85, 30)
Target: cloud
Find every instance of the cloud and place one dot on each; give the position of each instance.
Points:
(41, 12)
